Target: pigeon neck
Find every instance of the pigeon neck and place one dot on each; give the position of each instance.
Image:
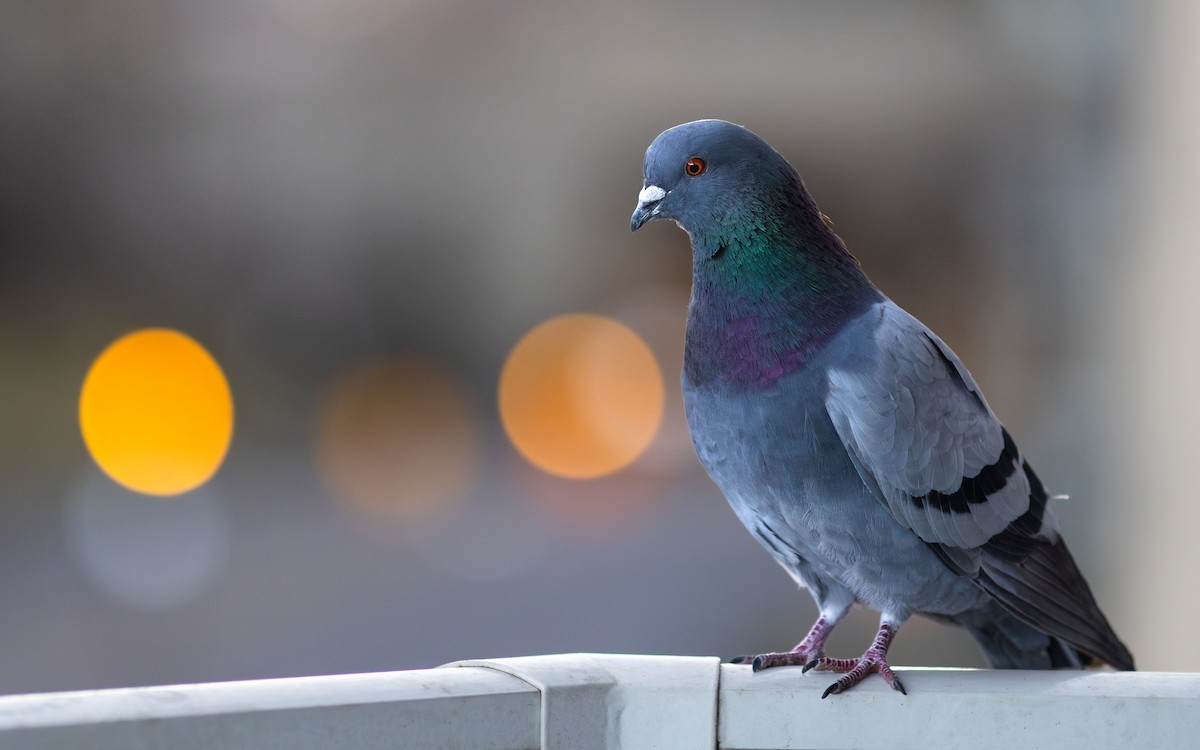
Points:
(766, 299)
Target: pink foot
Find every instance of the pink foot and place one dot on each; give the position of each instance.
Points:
(874, 659)
(805, 652)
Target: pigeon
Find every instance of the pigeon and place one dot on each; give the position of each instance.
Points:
(847, 437)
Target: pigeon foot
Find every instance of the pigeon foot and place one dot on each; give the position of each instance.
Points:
(812, 647)
(794, 658)
(873, 660)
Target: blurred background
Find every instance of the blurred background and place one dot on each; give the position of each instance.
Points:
(360, 208)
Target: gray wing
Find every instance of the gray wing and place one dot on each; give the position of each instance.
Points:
(926, 443)
(923, 437)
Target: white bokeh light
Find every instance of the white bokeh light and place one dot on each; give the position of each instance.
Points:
(146, 552)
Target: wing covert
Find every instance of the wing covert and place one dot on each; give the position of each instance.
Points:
(922, 436)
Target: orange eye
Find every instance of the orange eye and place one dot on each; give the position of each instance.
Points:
(694, 166)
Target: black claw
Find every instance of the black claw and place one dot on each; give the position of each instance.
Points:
(832, 690)
(899, 686)
(740, 659)
(809, 666)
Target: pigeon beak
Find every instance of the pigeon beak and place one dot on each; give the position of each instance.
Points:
(647, 208)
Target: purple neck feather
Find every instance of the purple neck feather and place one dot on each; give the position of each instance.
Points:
(767, 300)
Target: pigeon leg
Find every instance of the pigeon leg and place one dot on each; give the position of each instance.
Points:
(874, 659)
(812, 647)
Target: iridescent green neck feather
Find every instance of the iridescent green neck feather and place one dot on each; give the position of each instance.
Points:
(771, 285)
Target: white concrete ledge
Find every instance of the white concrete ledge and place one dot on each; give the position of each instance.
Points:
(421, 709)
(585, 701)
(961, 708)
(598, 701)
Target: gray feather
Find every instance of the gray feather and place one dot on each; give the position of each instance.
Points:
(911, 446)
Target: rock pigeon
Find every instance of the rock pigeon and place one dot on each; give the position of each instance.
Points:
(849, 438)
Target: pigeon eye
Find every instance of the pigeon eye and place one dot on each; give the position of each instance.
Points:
(694, 166)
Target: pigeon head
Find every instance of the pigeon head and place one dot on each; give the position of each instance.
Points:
(771, 282)
(708, 174)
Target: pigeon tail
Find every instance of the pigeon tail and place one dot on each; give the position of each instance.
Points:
(1010, 643)
(1047, 590)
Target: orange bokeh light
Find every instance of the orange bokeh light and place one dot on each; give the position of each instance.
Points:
(156, 412)
(581, 396)
(396, 438)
